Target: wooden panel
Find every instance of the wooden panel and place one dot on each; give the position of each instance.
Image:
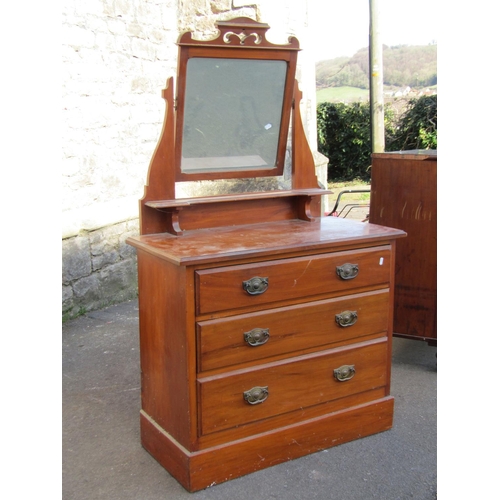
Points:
(240, 211)
(404, 196)
(222, 288)
(221, 342)
(164, 342)
(299, 383)
(198, 470)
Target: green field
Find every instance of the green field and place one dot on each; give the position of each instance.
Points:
(343, 94)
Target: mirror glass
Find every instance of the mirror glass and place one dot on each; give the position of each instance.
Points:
(232, 114)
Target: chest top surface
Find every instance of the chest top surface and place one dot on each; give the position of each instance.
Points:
(264, 239)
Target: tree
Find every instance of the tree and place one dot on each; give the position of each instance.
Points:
(417, 127)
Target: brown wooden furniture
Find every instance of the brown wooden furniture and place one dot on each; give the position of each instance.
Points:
(404, 196)
(265, 329)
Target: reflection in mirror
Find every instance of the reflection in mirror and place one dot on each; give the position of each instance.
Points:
(232, 114)
(194, 189)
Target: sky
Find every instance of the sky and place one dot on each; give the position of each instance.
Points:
(341, 27)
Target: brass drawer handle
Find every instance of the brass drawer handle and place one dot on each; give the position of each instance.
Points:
(256, 395)
(343, 373)
(347, 271)
(346, 318)
(256, 285)
(257, 336)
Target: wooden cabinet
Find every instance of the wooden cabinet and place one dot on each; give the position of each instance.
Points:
(265, 329)
(404, 196)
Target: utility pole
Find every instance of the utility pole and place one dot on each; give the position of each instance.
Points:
(376, 81)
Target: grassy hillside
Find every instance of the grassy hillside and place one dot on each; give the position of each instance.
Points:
(404, 66)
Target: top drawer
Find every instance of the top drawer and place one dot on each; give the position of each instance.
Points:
(262, 283)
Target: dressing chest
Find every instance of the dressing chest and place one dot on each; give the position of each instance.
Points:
(265, 329)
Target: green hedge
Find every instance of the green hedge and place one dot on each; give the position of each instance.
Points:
(344, 134)
(344, 138)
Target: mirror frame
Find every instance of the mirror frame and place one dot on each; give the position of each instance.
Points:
(240, 38)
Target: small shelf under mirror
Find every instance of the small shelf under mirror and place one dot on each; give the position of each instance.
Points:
(182, 202)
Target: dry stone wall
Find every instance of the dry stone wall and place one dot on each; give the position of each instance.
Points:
(117, 55)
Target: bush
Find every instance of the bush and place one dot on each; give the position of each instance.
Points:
(344, 138)
(344, 135)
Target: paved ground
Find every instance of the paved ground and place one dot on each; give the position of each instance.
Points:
(103, 457)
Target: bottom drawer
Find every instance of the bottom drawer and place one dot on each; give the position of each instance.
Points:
(244, 396)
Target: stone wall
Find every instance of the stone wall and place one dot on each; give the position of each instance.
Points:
(117, 55)
(99, 268)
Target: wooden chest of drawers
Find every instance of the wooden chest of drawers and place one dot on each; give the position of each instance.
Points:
(263, 343)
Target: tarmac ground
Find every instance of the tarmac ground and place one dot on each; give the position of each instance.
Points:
(103, 457)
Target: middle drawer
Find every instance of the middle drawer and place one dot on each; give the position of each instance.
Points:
(253, 336)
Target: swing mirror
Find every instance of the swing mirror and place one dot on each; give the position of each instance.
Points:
(234, 100)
